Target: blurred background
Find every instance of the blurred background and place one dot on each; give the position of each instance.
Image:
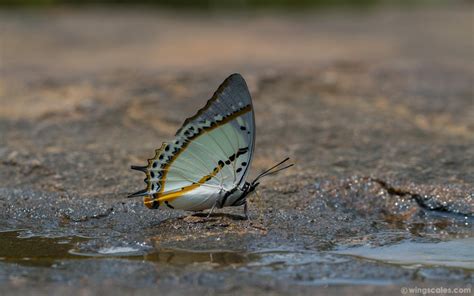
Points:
(46, 40)
(244, 4)
(163, 35)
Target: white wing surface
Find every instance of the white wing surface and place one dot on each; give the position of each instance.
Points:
(210, 154)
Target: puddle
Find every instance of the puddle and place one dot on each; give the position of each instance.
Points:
(35, 250)
(456, 253)
(293, 258)
(118, 251)
(175, 257)
(186, 257)
(45, 251)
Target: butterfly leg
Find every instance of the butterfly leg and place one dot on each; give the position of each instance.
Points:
(246, 211)
(212, 209)
(217, 203)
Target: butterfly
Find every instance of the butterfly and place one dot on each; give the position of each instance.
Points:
(207, 163)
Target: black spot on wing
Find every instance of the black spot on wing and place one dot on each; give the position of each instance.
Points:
(221, 163)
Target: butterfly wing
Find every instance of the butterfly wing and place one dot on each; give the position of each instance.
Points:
(211, 152)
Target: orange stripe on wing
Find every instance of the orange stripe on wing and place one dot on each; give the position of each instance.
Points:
(150, 202)
(173, 195)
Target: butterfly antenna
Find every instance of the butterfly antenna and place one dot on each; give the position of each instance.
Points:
(280, 169)
(269, 171)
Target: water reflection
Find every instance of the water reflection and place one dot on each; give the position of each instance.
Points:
(456, 253)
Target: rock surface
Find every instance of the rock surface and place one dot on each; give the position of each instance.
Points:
(375, 108)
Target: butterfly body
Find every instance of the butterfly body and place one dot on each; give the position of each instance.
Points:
(203, 198)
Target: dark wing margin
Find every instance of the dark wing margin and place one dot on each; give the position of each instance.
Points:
(231, 91)
(148, 170)
(230, 97)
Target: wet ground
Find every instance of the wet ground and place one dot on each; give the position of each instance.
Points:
(374, 107)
